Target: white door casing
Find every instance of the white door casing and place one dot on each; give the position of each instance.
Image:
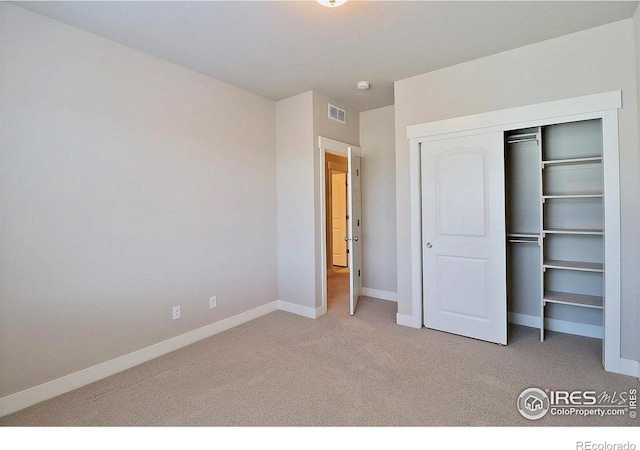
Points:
(354, 192)
(463, 246)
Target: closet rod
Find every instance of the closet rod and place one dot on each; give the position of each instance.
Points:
(517, 140)
(517, 238)
(521, 241)
(523, 135)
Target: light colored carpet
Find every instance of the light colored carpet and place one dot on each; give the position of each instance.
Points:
(339, 370)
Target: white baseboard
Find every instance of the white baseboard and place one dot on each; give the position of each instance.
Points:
(382, 295)
(630, 367)
(300, 310)
(409, 321)
(562, 326)
(50, 389)
(45, 391)
(622, 366)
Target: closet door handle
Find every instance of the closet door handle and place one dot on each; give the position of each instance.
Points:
(429, 245)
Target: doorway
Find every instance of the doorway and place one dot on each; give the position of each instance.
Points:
(336, 171)
(329, 149)
(336, 168)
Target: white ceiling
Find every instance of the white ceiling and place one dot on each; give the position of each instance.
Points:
(282, 48)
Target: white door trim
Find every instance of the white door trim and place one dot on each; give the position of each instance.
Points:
(327, 145)
(519, 117)
(597, 106)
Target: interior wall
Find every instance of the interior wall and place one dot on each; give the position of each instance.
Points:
(124, 192)
(592, 61)
(377, 139)
(636, 33)
(295, 200)
(636, 26)
(300, 120)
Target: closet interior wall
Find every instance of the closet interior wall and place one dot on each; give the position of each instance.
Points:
(523, 190)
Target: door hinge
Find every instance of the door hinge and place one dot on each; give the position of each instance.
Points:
(347, 217)
(358, 272)
(347, 251)
(357, 172)
(358, 222)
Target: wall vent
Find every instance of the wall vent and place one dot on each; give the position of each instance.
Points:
(338, 114)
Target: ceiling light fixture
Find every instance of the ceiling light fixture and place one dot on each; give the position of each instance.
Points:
(362, 85)
(331, 3)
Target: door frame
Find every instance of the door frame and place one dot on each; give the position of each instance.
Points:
(327, 145)
(602, 106)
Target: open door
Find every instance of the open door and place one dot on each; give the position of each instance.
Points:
(464, 254)
(354, 238)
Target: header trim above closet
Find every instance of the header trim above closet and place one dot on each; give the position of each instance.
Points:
(518, 117)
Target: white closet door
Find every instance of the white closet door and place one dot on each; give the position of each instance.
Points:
(464, 254)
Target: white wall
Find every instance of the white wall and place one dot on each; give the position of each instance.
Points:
(377, 139)
(128, 185)
(295, 165)
(636, 23)
(299, 122)
(596, 60)
(636, 30)
(323, 126)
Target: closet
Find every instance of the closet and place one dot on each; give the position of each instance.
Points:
(555, 224)
(515, 216)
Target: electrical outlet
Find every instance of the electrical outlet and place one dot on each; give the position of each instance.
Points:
(176, 312)
(212, 302)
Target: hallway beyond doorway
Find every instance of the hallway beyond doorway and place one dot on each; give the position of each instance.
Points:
(338, 290)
